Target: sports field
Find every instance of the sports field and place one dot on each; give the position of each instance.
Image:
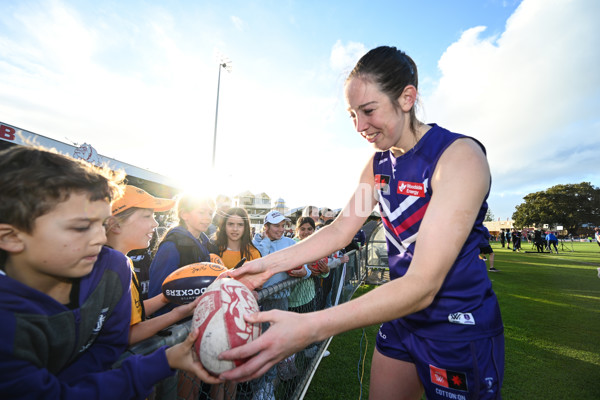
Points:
(551, 309)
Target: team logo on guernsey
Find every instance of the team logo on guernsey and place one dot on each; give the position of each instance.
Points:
(461, 318)
(382, 183)
(449, 379)
(411, 189)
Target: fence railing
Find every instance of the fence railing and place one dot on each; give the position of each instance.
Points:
(290, 378)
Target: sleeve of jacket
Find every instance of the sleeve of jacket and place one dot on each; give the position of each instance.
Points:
(263, 244)
(90, 375)
(165, 261)
(133, 380)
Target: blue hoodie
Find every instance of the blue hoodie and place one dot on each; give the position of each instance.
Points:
(51, 351)
(168, 258)
(267, 246)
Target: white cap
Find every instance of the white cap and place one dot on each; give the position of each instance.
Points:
(275, 217)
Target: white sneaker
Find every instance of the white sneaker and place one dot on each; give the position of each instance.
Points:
(326, 353)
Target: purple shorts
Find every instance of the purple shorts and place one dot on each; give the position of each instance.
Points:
(448, 370)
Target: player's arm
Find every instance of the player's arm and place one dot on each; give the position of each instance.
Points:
(460, 184)
(320, 244)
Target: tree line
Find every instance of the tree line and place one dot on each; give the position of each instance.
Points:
(570, 205)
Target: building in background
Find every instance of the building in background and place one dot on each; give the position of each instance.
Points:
(152, 182)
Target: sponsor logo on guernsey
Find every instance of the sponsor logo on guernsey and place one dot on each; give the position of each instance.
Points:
(382, 183)
(411, 189)
(449, 379)
(461, 318)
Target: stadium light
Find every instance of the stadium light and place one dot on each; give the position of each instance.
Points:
(224, 63)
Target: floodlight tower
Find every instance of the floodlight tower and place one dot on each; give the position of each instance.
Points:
(224, 63)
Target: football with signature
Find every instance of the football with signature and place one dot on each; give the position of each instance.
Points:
(220, 317)
(183, 285)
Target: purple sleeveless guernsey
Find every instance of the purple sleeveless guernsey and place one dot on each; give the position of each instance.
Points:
(465, 308)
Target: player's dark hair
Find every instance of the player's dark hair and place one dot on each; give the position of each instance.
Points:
(34, 180)
(392, 70)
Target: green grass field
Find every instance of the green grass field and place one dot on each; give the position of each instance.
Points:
(551, 310)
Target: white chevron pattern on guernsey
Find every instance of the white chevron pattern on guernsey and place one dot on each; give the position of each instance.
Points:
(409, 201)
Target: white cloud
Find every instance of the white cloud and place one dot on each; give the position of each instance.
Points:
(344, 57)
(141, 88)
(521, 92)
(238, 23)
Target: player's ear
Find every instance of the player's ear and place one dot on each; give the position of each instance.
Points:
(408, 98)
(10, 240)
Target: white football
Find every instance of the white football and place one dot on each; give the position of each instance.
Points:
(220, 317)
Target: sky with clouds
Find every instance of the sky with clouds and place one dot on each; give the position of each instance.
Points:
(138, 80)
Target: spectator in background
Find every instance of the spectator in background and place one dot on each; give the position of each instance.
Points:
(302, 297)
(508, 238)
(233, 238)
(486, 253)
(516, 239)
(538, 240)
(270, 241)
(220, 212)
(357, 242)
(333, 261)
(326, 214)
(183, 244)
(142, 258)
(360, 238)
(311, 211)
(552, 241)
(502, 237)
(131, 227)
(597, 235)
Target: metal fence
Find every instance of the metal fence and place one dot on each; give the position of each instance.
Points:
(290, 378)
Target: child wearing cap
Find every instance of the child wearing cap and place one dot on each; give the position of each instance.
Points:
(270, 241)
(64, 298)
(131, 227)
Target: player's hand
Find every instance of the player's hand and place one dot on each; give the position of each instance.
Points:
(345, 258)
(253, 274)
(289, 333)
(182, 356)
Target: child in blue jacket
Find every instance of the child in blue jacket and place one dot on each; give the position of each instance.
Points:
(65, 302)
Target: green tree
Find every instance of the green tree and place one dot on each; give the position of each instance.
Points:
(489, 215)
(568, 205)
